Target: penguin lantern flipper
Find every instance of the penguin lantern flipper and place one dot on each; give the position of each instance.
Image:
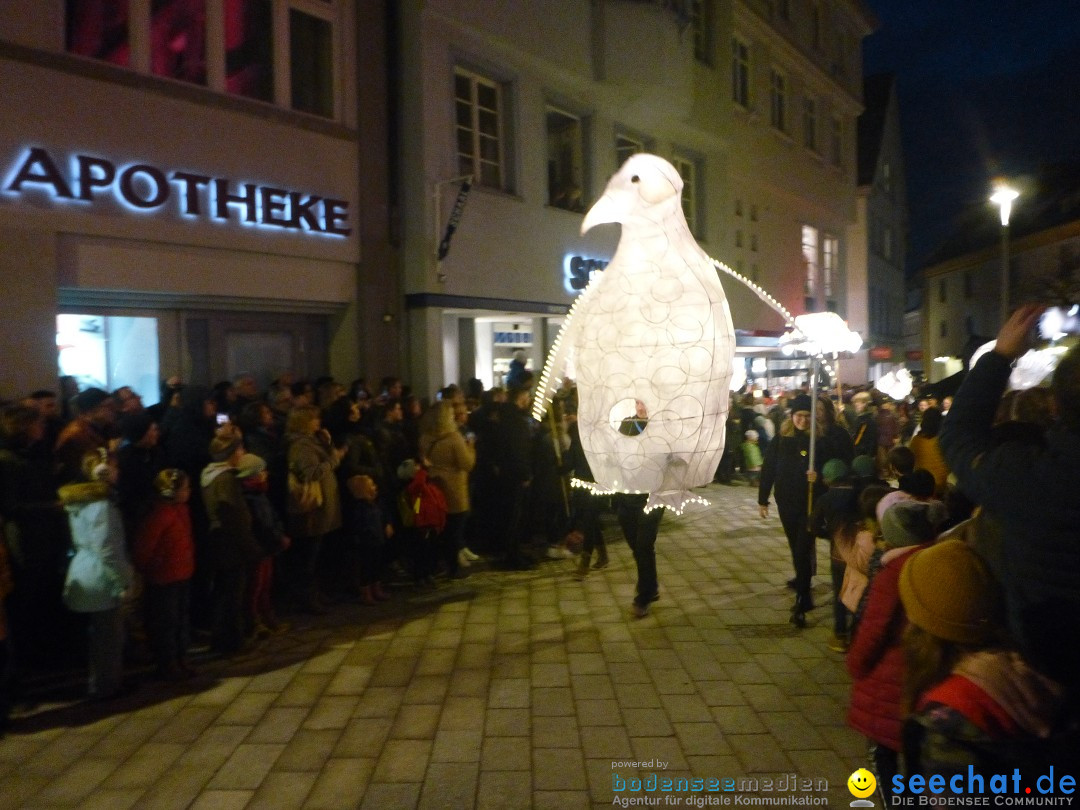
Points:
(565, 340)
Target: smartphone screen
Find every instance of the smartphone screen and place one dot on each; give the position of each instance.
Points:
(1056, 322)
(222, 418)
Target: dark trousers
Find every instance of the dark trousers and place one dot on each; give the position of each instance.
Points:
(452, 540)
(640, 531)
(801, 543)
(227, 634)
(167, 609)
(840, 613)
(587, 519)
(515, 505)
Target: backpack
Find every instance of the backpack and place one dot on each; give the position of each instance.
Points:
(422, 504)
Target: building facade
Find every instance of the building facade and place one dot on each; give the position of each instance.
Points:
(877, 241)
(539, 103)
(962, 285)
(193, 188)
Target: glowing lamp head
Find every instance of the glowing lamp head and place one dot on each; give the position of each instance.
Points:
(1003, 197)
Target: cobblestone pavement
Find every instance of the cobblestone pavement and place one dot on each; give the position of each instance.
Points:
(503, 690)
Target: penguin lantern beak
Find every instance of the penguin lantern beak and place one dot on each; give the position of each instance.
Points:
(613, 206)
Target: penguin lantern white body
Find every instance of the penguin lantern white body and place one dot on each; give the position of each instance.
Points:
(653, 345)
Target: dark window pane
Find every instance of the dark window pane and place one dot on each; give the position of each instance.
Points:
(488, 123)
(486, 96)
(464, 141)
(464, 114)
(489, 175)
(249, 48)
(311, 55)
(489, 149)
(462, 88)
(99, 29)
(178, 39)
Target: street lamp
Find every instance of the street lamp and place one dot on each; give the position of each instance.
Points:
(1003, 197)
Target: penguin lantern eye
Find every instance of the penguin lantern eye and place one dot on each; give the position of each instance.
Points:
(635, 179)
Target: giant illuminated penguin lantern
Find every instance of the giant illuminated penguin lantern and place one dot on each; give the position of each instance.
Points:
(652, 346)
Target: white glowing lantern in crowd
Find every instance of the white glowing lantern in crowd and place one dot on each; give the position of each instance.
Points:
(820, 333)
(896, 384)
(653, 346)
(1031, 368)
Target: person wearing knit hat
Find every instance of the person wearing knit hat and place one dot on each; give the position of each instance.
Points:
(786, 469)
(139, 459)
(972, 697)
(948, 591)
(834, 470)
(88, 431)
(752, 459)
(233, 549)
(910, 522)
(224, 446)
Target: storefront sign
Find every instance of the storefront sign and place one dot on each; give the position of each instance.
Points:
(881, 353)
(143, 187)
(913, 354)
(579, 270)
(512, 338)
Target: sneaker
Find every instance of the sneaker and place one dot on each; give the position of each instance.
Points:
(838, 642)
(559, 553)
(469, 555)
(462, 560)
(639, 611)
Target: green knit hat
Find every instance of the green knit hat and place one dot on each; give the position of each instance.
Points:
(949, 592)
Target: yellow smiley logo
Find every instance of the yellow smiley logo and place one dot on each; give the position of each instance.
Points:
(861, 783)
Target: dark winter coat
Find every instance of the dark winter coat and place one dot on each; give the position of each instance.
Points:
(1031, 491)
(875, 659)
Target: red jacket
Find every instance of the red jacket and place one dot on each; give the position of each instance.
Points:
(875, 659)
(164, 546)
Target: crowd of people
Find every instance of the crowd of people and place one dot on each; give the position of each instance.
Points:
(955, 560)
(952, 530)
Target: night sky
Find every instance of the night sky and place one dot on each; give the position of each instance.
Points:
(986, 88)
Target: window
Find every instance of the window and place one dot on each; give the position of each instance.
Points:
(688, 170)
(755, 274)
(311, 56)
(738, 238)
(810, 124)
(740, 72)
(625, 146)
(178, 40)
(110, 351)
(565, 160)
(753, 242)
(249, 48)
(943, 329)
(478, 105)
(99, 31)
(836, 142)
(778, 100)
(738, 208)
(810, 260)
(830, 265)
(290, 59)
(701, 24)
(753, 213)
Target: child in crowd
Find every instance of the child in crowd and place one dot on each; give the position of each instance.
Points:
(367, 531)
(165, 556)
(100, 574)
(856, 545)
(875, 659)
(269, 531)
(974, 701)
(834, 513)
(901, 462)
(751, 456)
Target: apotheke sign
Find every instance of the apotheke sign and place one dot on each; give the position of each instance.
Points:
(145, 188)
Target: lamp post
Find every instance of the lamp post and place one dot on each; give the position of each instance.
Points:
(1003, 197)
